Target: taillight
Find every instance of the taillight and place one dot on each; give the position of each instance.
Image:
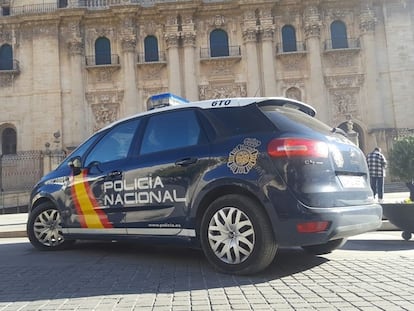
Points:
(297, 147)
(312, 226)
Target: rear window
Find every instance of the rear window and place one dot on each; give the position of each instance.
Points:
(287, 119)
(237, 120)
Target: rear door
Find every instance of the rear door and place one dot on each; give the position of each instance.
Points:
(159, 184)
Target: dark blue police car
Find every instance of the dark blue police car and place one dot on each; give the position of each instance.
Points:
(238, 177)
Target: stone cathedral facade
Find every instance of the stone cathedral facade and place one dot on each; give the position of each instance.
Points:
(69, 67)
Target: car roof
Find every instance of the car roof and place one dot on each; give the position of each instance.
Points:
(228, 103)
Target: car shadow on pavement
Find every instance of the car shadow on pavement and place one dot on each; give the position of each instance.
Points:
(91, 269)
(376, 245)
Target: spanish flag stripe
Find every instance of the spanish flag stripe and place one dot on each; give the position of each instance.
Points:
(101, 214)
(92, 220)
(77, 204)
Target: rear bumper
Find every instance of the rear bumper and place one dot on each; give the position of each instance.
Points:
(344, 222)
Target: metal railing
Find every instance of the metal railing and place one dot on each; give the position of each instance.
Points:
(225, 51)
(96, 60)
(20, 171)
(348, 43)
(151, 58)
(290, 47)
(89, 4)
(9, 66)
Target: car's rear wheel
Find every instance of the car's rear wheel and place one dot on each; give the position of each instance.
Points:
(236, 235)
(44, 228)
(325, 248)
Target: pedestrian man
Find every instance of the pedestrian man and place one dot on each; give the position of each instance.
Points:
(376, 164)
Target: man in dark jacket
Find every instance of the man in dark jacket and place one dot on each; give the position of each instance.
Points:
(377, 164)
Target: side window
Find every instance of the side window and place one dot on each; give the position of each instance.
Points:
(172, 130)
(115, 145)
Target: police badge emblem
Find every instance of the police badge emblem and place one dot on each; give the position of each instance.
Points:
(244, 156)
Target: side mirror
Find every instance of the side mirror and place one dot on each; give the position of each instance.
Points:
(75, 164)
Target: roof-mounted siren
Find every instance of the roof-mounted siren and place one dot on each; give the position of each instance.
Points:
(164, 100)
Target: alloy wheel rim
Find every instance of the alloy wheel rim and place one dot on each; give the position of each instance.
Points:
(47, 228)
(231, 235)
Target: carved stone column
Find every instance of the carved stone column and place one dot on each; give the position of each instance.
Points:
(313, 44)
(174, 76)
(75, 113)
(269, 77)
(129, 59)
(367, 26)
(253, 78)
(190, 77)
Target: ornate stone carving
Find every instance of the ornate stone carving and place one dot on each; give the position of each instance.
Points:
(222, 90)
(5, 36)
(75, 47)
(344, 103)
(221, 67)
(367, 19)
(189, 38)
(341, 58)
(292, 61)
(105, 106)
(104, 114)
(216, 21)
(294, 93)
(312, 21)
(344, 81)
(102, 75)
(250, 35)
(172, 40)
(152, 71)
(149, 91)
(6, 79)
(267, 34)
(128, 43)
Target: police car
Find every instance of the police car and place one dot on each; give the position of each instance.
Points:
(237, 177)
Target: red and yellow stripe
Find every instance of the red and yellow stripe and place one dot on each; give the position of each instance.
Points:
(90, 214)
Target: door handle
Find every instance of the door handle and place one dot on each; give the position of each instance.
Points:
(186, 161)
(114, 174)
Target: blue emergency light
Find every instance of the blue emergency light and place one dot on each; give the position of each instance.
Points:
(165, 99)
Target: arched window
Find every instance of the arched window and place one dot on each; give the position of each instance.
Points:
(151, 49)
(289, 39)
(6, 57)
(338, 35)
(9, 141)
(219, 43)
(102, 51)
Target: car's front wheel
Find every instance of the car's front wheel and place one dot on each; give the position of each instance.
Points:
(236, 235)
(44, 228)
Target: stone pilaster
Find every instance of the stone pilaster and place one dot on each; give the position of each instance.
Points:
(174, 75)
(312, 32)
(268, 60)
(190, 76)
(253, 77)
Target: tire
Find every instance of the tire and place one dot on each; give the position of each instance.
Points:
(236, 235)
(44, 228)
(326, 248)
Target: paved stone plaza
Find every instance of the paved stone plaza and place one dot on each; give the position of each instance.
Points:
(372, 271)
